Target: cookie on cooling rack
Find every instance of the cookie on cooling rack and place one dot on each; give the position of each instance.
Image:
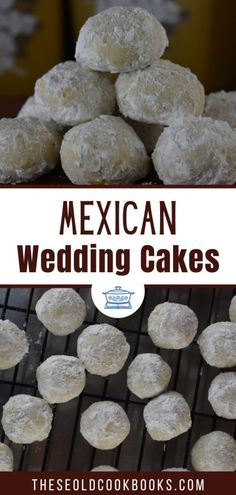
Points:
(105, 425)
(172, 325)
(102, 349)
(215, 451)
(222, 395)
(13, 345)
(61, 379)
(6, 458)
(61, 311)
(217, 344)
(167, 416)
(26, 419)
(148, 375)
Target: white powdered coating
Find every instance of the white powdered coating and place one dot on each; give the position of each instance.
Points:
(160, 93)
(26, 419)
(148, 133)
(174, 469)
(29, 148)
(60, 379)
(167, 416)
(222, 106)
(61, 311)
(104, 468)
(33, 109)
(103, 349)
(215, 451)
(172, 325)
(222, 395)
(148, 375)
(218, 344)
(105, 150)
(13, 345)
(121, 39)
(232, 310)
(6, 458)
(74, 94)
(105, 425)
(196, 150)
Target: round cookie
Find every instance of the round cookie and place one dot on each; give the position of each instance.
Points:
(29, 148)
(60, 379)
(33, 109)
(167, 416)
(6, 458)
(215, 451)
(26, 419)
(222, 106)
(172, 325)
(222, 395)
(13, 345)
(148, 133)
(148, 375)
(103, 349)
(74, 94)
(61, 311)
(159, 94)
(104, 468)
(218, 344)
(196, 150)
(105, 150)
(105, 425)
(121, 39)
(232, 310)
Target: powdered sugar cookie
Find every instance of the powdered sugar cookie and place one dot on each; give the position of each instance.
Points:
(232, 310)
(104, 468)
(222, 395)
(174, 469)
(61, 311)
(105, 150)
(215, 451)
(103, 349)
(218, 344)
(222, 106)
(167, 416)
(33, 109)
(74, 94)
(29, 148)
(196, 150)
(121, 39)
(160, 93)
(60, 379)
(148, 375)
(6, 458)
(26, 419)
(13, 345)
(172, 325)
(105, 425)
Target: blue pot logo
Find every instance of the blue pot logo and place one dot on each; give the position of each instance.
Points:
(118, 298)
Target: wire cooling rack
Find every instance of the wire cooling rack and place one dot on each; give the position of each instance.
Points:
(65, 449)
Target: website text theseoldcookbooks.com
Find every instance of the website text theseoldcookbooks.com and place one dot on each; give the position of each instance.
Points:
(111, 219)
(94, 485)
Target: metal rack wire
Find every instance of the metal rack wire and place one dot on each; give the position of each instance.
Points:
(65, 449)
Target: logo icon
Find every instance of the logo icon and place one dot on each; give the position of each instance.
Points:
(118, 298)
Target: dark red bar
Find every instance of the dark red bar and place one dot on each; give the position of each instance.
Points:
(138, 483)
